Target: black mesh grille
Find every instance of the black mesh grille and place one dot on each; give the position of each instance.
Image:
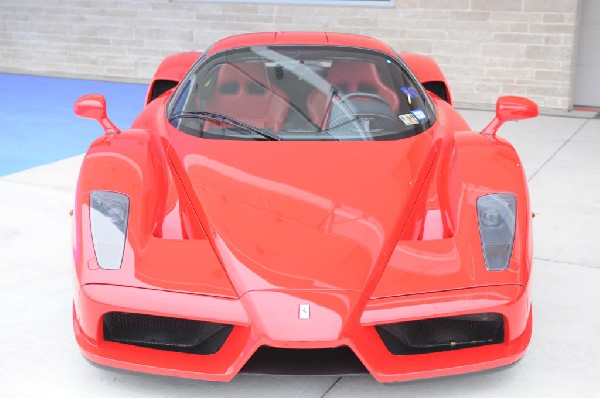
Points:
(163, 333)
(442, 334)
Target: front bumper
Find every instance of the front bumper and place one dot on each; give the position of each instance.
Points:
(270, 318)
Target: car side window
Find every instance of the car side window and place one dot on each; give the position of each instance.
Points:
(182, 98)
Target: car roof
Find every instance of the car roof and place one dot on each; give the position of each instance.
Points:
(306, 38)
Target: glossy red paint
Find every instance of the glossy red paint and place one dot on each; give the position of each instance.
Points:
(243, 232)
(93, 106)
(515, 108)
(307, 38)
(257, 214)
(509, 108)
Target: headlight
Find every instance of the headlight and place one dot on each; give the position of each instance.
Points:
(497, 216)
(109, 212)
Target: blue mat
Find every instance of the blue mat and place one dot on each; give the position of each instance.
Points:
(37, 124)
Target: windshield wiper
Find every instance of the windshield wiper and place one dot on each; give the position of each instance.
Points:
(219, 117)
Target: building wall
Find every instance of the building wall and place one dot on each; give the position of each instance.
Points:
(486, 48)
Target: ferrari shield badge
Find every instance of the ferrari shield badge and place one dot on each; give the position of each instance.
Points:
(304, 312)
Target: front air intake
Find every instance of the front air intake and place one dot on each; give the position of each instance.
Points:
(442, 334)
(338, 361)
(165, 333)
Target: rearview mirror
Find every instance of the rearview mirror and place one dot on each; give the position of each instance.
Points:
(510, 108)
(93, 106)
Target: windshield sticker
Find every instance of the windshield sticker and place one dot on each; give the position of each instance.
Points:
(410, 92)
(409, 119)
(419, 114)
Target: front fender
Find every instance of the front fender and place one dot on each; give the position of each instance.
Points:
(165, 246)
(472, 165)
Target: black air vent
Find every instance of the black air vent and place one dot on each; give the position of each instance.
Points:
(164, 333)
(160, 86)
(442, 334)
(438, 88)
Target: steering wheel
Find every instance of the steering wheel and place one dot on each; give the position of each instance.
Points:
(361, 94)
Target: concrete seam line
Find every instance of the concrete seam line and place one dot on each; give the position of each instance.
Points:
(331, 387)
(566, 263)
(558, 150)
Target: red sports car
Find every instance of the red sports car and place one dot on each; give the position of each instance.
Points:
(302, 203)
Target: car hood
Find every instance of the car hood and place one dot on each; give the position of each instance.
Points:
(302, 215)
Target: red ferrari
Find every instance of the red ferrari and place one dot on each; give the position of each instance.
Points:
(302, 203)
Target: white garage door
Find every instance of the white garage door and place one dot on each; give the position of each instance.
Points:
(587, 75)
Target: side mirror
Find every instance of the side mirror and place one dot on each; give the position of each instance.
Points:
(93, 106)
(510, 108)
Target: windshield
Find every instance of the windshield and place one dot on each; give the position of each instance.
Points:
(300, 93)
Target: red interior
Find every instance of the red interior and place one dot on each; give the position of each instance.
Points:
(243, 91)
(350, 77)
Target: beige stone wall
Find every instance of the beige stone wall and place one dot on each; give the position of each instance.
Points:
(486, 48)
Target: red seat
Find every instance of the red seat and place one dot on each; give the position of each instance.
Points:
(349, 77)
(243, 91)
